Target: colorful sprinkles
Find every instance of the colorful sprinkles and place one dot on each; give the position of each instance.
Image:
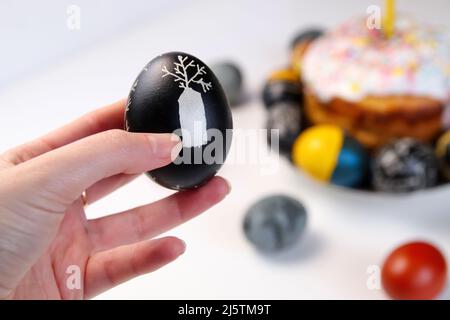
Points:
(352, 62)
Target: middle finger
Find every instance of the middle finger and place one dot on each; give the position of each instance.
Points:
(147, 221)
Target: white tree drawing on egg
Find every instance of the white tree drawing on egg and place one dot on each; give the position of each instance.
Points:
(191, 109)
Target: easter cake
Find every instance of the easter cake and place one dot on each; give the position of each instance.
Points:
(379, 88)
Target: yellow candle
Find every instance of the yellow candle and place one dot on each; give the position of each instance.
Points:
(389, 18)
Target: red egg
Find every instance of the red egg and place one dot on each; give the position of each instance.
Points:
(416, 270)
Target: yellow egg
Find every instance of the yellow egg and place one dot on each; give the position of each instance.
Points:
(284, 75)
(317, 149)
(326, 153)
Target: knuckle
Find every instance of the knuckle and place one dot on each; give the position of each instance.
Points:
(116, 135)
(127, 142)
(152, 143)
(109, 270)
(138, 223)
(118, 139)
(177, 211)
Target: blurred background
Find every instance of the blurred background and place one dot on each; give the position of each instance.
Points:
(52, 71)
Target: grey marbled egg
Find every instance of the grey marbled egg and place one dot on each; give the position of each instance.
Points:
(231, 79)
(275, 222)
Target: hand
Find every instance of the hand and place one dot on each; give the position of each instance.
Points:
(43, 226)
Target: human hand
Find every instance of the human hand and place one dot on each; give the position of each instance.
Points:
(43, 226)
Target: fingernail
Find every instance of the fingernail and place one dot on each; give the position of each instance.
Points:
(165, 145)
(176, 148)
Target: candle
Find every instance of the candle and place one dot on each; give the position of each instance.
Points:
(389, 18)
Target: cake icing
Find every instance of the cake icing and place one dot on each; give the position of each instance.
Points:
(352, 62)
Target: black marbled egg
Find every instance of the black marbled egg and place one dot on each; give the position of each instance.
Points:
(275, 222)
(404, 165)
(443, 154)
(282, 85)
(286, 118)
(177, 93)
(306, 35)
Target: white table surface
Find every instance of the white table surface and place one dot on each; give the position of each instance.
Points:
(346, 232)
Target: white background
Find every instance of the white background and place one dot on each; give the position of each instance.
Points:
(50, 75)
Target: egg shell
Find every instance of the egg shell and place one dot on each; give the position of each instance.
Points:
(415, 271)
(282, 86)
(443, 154)
(286, 118)
(230, 76)
(275, 222)
(178, 91)
(326, 153)
(404, 165)
(306, 35)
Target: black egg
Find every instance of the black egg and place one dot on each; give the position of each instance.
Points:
(404, 165)
(275, 223)
(306, 35)
(282, 86)
(443, 154)
(286, 118)
(177, 93)
(230, 76)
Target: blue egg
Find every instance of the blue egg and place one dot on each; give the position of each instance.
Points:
(352, 164)
(326, 153)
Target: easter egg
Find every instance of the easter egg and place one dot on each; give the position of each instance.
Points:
(404, 165)
(306, 36)
(326, 153)
(230, 77)
(443, 154)
(415, 270)
(300, 44)
(275, 222)
(177, 93)
(286, 119)
(282, 86)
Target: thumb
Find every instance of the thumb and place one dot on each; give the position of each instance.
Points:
(63, 174)
(36, 193)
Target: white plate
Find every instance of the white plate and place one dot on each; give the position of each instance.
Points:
(437, 197)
